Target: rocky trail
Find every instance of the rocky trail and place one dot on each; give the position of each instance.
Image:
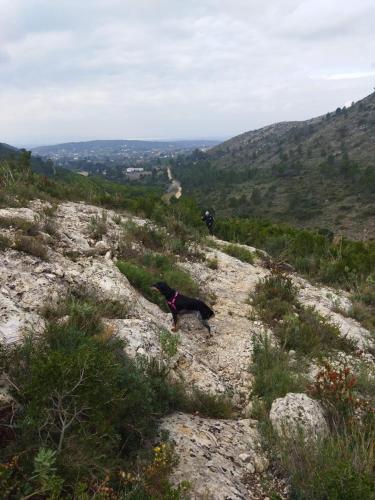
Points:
(222, 459)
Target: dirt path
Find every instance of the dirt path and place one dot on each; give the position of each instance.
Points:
(228, 352)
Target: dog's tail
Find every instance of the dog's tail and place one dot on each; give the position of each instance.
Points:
(205, 311)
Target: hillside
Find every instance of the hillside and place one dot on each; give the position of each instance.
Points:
(315, 173)
(74, 288)
(99, 398)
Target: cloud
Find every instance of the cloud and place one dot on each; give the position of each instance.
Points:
(160, 68)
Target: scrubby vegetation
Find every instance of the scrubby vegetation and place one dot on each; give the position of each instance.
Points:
(297, 327)
(318, 173)
(275, 374)
(83, 411)
(338, 262)
(150, 268)
(239, 253)
(340, 465)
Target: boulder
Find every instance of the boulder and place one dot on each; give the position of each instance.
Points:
(297, 413)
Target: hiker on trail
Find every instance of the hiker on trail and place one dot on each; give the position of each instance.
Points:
(209, 220)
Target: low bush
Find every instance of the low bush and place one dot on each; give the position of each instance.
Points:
(31, 245)
(19, 223)
(98, 226)
(149, 236)
(274, 297)
(209, 404)
(239, 253)
(169, 343)
(212, 263)
(5, 242)
(363, 309)
(142, 280)
(297, 327)
(338, 391)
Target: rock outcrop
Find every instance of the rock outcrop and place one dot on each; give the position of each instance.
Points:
(297, 413)
(216, 456)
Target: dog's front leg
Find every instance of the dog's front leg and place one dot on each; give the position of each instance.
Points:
(175, 321)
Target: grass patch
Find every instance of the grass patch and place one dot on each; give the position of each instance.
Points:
(310, 334)
(209, 405)
(239, 253)
(85, 310)
(155, 267)
(147, 235)
(297, 327)
(338, 467)
(28, 227)
(275, 374)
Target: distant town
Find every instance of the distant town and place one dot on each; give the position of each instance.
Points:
(119, 159)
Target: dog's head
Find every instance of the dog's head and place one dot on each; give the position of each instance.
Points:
(163, 288)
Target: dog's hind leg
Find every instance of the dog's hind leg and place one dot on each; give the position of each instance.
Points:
(203, 322)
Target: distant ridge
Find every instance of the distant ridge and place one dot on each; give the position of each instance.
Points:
(117, 144)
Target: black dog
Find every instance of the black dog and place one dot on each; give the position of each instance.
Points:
(180, 304)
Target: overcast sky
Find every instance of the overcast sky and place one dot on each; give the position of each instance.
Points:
(101, 69)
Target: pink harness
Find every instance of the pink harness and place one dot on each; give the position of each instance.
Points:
(171, 303)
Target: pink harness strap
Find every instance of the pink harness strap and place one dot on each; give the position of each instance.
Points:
(171, 302)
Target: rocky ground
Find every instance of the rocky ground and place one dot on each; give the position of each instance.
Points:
(222, 459)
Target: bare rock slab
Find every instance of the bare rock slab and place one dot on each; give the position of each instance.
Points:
(215, 455)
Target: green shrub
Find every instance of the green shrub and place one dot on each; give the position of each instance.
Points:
(212, 263)
(142, 280)
(363, 308)
(209, 404)
(98, 226)
(79, 395)
(32, 246)
(341, 263)
(309, 333)
(239, 253)
(274, 297)
(83, 307)
(5, 242)
(169, 343)
(23, 225)
(147, 235)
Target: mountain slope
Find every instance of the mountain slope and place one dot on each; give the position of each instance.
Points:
(6, 151)
(315, 173)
